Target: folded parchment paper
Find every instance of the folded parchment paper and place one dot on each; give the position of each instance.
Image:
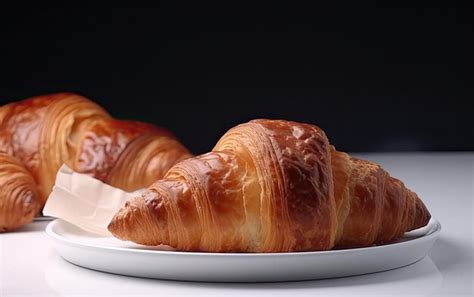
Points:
(85, 201)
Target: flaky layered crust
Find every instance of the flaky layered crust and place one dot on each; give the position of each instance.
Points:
(18, 196)
(44, 132)
(271, 186)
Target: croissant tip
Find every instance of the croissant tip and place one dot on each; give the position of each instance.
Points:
(115, 224)
(123, 225)
(422, 215)
(112, 226)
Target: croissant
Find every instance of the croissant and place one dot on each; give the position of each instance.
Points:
(271, 186)
(44, 132)
(18, 196)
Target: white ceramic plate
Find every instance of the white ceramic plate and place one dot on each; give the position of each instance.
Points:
(41, 218)
(112, 255)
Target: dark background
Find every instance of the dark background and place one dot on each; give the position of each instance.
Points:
(375, 78)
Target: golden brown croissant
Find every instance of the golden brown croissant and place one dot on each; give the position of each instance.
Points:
(18, 196)
(44, 132)
(271, 186)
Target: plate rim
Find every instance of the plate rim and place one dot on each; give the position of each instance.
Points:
(432, 232)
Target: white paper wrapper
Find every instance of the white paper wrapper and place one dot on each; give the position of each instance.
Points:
(85, 201)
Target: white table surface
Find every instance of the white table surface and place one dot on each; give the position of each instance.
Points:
(30, 266)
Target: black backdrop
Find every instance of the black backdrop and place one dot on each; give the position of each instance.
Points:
(375, 78)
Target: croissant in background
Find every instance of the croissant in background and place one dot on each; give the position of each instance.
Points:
(19, 201)
(271, 186)
(41, 133)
